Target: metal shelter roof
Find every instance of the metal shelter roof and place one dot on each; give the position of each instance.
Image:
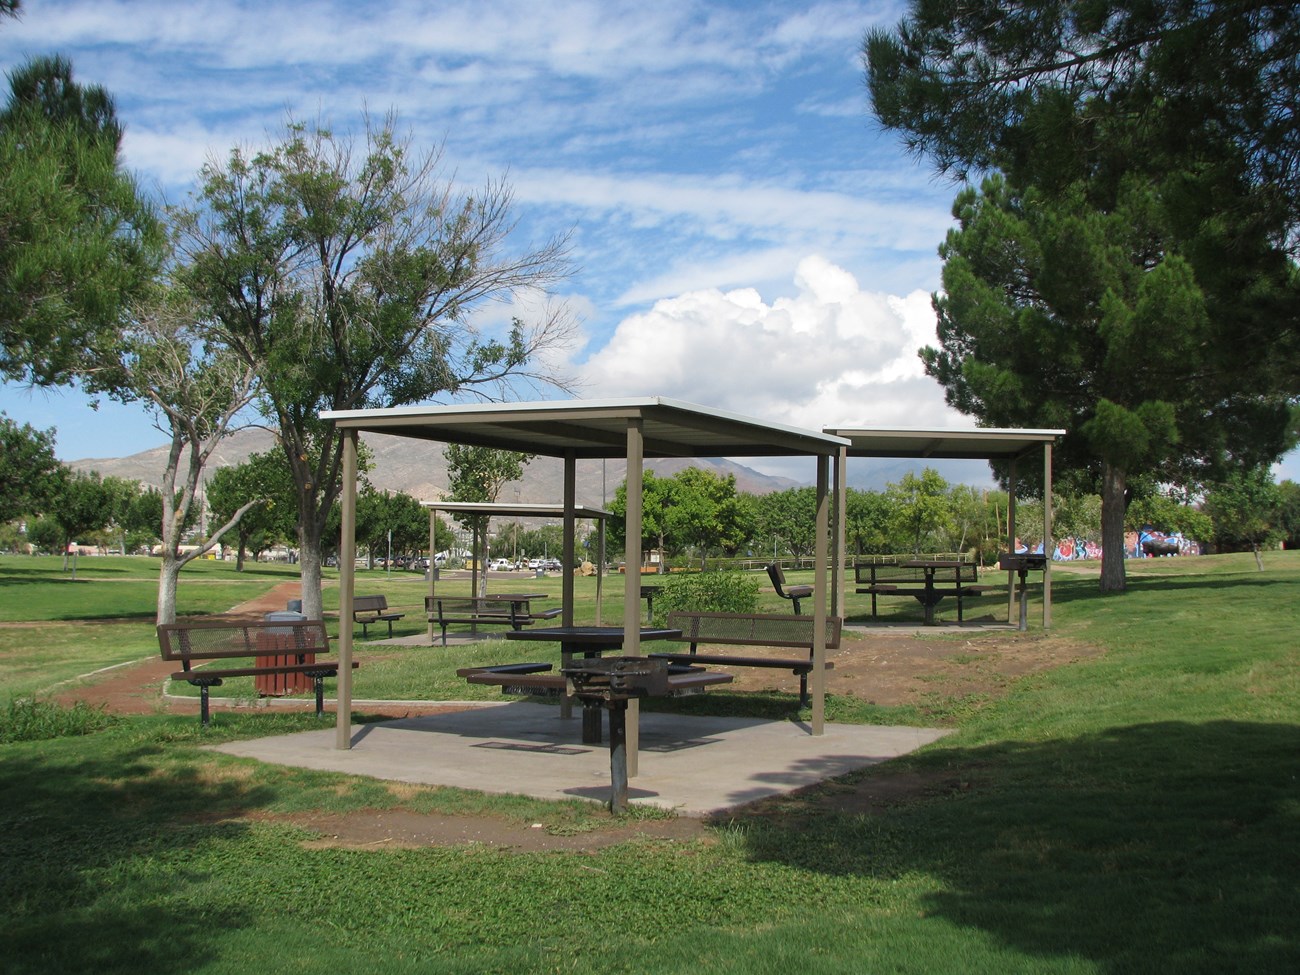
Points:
(975, 444)
(593, 429)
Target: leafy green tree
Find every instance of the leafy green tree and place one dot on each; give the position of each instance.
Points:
(77, 240)
(1056, 313)
(1170, 512)
(477, 474)
(707, 514)
(656, 503)
(195, 388)
(920, 516)
(29, 471)
(789, 519)
(142, 521)
(542, 541)
(346, 276)
(866, 521)
(122, 494)
(46, 535)
(384, 516)
(262, 480)
(1244, 508)
(1288, 513)
(1132, 278)
(1037, 88)
(82, 504)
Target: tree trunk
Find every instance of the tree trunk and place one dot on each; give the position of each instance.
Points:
(1259, 556)
(1114, 482)
(168, 574)
(309, 570)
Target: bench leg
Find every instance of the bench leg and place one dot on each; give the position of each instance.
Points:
(796, 605)
(205, 714)
(390, 629)
(803, 691)
(320, 695)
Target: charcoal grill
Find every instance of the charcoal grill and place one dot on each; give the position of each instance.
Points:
(610, 682)
(1023, 563)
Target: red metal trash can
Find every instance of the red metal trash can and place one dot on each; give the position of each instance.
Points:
(277, 685)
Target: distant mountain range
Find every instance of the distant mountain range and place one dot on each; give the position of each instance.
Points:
(418, 468)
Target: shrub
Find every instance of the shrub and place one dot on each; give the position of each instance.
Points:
(707, 592)
(27, 719)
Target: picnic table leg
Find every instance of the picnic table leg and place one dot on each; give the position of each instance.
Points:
(591, 723)
(618, 756)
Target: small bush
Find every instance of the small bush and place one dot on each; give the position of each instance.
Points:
(707, 592)
(27, 719)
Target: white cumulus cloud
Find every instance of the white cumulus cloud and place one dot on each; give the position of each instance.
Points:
(830, 354)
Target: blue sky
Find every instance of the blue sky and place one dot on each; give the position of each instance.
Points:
(744, 236)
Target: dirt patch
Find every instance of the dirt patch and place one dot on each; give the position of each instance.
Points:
(400, 828)
(885, 667)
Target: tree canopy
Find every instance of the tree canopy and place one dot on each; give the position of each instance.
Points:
(29, 471)
(1029, 87)
(77, 240)
(346, 274)
(1126, 270)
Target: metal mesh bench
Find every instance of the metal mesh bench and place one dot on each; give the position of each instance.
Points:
(373, 609)
(272, 647)
(755, 630)
(478, 611)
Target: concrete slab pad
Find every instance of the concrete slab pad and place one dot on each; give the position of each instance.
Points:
(693, 765)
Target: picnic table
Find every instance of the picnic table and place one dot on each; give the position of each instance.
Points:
(931, 595)
(587, 641)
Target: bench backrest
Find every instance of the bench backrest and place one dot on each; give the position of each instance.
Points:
(369, 604)
(476, 606)
(218, 639)
(753, 629)
(778, 578)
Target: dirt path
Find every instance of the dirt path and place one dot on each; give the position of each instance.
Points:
(137, 688)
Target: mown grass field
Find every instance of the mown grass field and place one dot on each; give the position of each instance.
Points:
(1135, 812)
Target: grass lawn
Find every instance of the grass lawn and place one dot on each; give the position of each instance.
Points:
(1138, 811)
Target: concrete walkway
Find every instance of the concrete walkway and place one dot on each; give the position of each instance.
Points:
(693, 765)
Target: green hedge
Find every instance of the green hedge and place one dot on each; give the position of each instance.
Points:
(707, 592)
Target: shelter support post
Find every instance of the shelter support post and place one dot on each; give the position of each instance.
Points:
(1011, 541)
(570, 503)
(839, 536)
(433, 568)
(347, 590)
(819, 597)
(632, 578)
(1048, 545)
